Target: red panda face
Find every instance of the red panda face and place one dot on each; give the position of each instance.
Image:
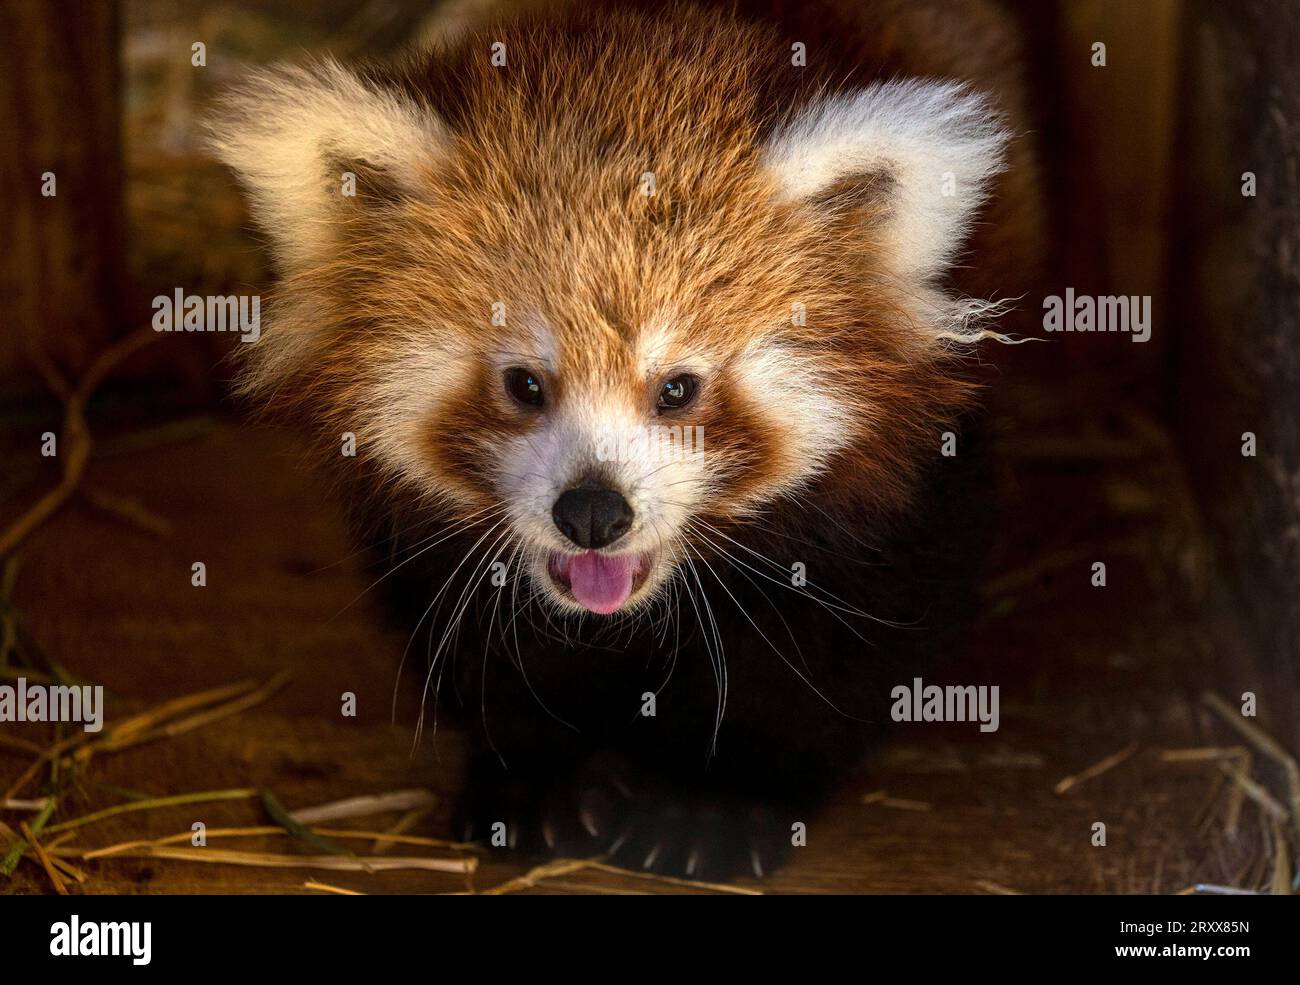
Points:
(611, 395)
(614, 305)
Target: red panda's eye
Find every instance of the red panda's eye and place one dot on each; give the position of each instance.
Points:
(677, 392)
(525, 386)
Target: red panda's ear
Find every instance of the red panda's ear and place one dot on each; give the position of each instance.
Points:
(309, 143)
(920, 154)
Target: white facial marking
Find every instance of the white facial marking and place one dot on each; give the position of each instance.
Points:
(606, 431)
(398, 408)
(796, 398)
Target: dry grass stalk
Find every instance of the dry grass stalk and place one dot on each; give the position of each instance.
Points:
(271, 831)
(1236, 797)
(393, 838)
(270, 860)
(132, 727)
(1097, 769)
(567, 866)
(122, 734)
(57, 880)
(396, 800)
(324, 887)
(717, 887)
(559, 867)
(66, 867)
(146, 727)
(1205, 815)
(1255, 792)
(1202, 754)
(122, 847)
(1266, 744)
(56, 844)
(902, 804)
(1281, 862)
(201, 797)
(129, 509)
(51, 752)
(586, 890)
(404, 824)
(141, 724)
(75, 439)
(882, 798)
(20, 745)
(224, 711)
(136, 730)
(24, 805)
(996, 888)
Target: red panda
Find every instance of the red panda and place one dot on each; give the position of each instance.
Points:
(647, 324)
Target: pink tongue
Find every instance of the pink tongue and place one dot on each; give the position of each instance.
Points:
(602, 583)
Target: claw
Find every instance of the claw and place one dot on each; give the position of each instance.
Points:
(653, 856)
(595, 811)
(620, 841)
(693, 862)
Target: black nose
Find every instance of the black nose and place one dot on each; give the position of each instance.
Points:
(592, 517)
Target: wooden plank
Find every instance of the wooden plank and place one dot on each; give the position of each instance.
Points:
(61, 256)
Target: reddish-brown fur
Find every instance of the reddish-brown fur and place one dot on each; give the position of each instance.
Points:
(822, 435)
(539, 204)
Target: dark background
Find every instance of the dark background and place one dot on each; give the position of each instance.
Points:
(1111, 451)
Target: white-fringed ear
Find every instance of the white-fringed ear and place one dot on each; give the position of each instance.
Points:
(924, 151)
(290, 133)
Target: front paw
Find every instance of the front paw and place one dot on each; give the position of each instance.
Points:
(538, 812)
(647, 823)
(700, 837)
(641, 822)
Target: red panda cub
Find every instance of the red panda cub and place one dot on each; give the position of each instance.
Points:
(649, 325)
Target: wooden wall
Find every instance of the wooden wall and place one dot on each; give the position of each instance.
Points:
(62, 275)
(1235, 276)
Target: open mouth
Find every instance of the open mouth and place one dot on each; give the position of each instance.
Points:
(600, 583)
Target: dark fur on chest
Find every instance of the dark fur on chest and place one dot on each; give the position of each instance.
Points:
(806, 676)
